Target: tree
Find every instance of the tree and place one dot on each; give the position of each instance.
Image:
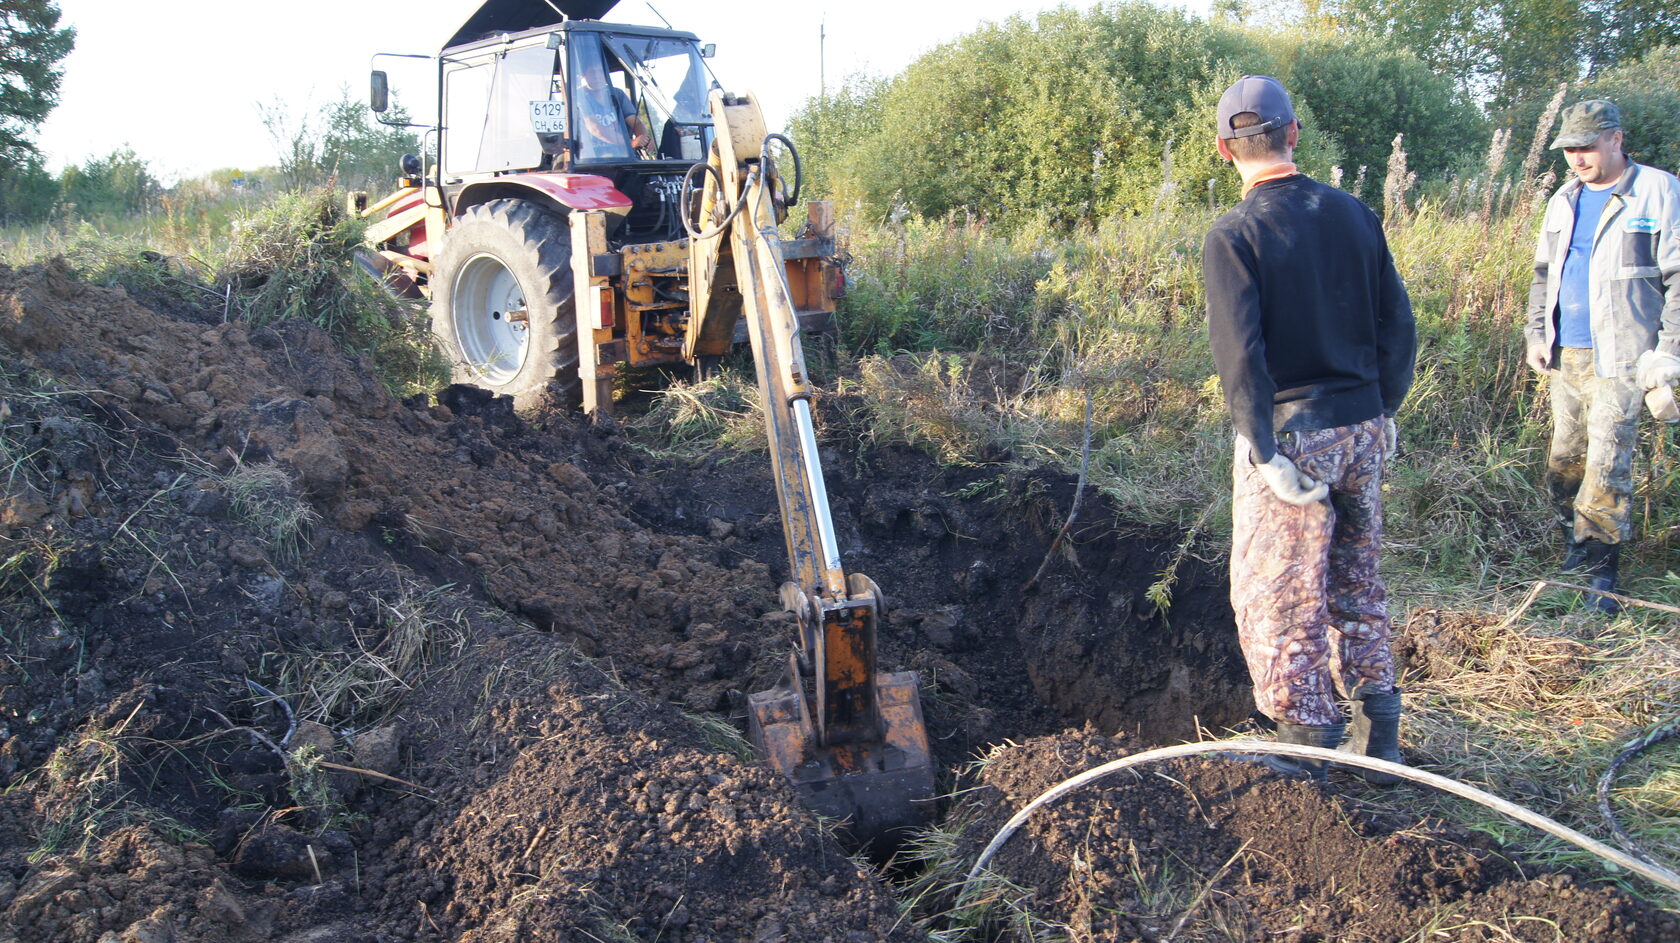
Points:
(31, 46)
(1648, 93)
(341, 141)
(1365, 90)
(114, 185)
(1506, 51)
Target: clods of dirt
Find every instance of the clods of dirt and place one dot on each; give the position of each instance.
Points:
(1219, 849)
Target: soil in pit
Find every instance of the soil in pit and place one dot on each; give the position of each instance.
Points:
(288, 659)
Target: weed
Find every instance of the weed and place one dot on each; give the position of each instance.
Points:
(261, 497)
(723, 737)
(694, 420)
(81, 793)
(361, 686)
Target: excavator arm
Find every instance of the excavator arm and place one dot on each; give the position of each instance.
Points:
(850, 737)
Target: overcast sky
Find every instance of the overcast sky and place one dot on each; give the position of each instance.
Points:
(180, 81)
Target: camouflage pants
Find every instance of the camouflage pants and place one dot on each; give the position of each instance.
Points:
(1312, 612)
(1595, 425)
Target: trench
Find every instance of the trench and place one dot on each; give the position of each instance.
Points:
(952, 547)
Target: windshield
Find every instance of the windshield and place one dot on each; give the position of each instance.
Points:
(668, 82)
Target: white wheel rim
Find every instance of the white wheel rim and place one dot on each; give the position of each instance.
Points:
(493, 345)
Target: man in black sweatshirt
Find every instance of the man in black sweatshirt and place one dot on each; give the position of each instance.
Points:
(1313, 335)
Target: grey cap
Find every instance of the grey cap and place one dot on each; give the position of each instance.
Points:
(1261, 94)
(1584, 121)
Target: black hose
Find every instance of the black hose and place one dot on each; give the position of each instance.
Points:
(1637, 745)
(798, 170)
(687, 194)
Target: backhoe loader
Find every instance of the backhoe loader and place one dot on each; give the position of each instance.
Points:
(589, 199)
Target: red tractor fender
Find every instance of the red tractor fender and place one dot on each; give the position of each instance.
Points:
(560, 190)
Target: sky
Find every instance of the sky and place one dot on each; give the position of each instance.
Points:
(181, 81)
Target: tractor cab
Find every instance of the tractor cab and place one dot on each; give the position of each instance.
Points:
(525, 91)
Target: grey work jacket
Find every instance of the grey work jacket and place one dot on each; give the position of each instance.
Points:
(1633, 277)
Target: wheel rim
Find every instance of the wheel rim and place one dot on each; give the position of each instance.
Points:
(490, 319)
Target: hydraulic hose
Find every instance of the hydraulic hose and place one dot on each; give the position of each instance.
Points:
(687, 193)
(1651, 872)
(798, 170)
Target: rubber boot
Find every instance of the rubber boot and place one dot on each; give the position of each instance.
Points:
(1375, 732)
(1601, 563)
(1328, 737)
(1574, 551)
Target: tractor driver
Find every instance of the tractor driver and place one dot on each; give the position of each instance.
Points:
(605, 111)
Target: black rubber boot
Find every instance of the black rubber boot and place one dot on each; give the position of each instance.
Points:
(1574, 551)
(1375, 732)
(1328, 737)
(1601, 563)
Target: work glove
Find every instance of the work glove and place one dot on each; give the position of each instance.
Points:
(1539, 359)
(1391, 438)
(1657, 369)
(1290, 484)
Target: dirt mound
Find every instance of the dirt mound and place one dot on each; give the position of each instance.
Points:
(285, 658)
(1217, 850)
(219, 513)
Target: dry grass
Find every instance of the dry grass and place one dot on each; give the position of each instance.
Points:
(420, 632)
(1536, 712)
(262, 497)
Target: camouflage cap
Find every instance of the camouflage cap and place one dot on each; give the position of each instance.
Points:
(1584, 121)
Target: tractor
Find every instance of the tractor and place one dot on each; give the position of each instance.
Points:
(591, 199)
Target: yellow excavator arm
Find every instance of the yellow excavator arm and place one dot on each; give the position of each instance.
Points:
(851, 738)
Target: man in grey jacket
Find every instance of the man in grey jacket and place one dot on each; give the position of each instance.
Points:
(1604, 324)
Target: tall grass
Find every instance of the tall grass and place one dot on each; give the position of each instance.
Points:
(1117, 308)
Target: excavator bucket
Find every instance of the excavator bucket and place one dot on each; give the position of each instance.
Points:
(861, 758)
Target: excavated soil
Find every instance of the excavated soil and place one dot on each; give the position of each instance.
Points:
(489, 692)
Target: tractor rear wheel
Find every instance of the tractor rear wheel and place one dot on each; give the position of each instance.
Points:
(502, 301)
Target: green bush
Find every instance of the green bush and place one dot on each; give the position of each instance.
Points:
(1364, 91)
(1648, 93)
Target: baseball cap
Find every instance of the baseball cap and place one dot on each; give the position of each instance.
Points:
(1260, 94)
(1584, 121)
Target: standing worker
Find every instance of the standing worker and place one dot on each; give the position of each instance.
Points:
(1313, 336)
(1604, 324)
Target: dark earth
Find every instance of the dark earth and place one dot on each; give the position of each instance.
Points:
(285, 658)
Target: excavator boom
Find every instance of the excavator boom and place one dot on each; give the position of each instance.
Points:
(851, 738)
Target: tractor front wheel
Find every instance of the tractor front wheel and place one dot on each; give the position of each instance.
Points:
(502, 301)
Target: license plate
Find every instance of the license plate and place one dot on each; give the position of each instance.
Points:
(548, 117)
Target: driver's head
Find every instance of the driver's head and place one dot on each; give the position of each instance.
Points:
(592, 74)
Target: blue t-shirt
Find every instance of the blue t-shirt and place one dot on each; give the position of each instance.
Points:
(1574, 293)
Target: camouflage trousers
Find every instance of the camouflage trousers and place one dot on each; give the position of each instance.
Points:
(1312, 612)
(1595, 426)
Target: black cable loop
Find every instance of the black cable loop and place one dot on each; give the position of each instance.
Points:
(687, 194)
(792, 199)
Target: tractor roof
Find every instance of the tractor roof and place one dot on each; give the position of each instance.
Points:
(513, 16)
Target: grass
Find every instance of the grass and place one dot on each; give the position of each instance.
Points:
(261, 497)
(81, 793)
(287, 257)
(419, 632)
(1536, 712)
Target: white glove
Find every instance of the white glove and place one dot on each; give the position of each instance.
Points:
(1290, 484)
(1539, 360)
(1391, 438)
(1657, 369)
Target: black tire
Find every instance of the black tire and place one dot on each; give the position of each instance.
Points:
(497, 256)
